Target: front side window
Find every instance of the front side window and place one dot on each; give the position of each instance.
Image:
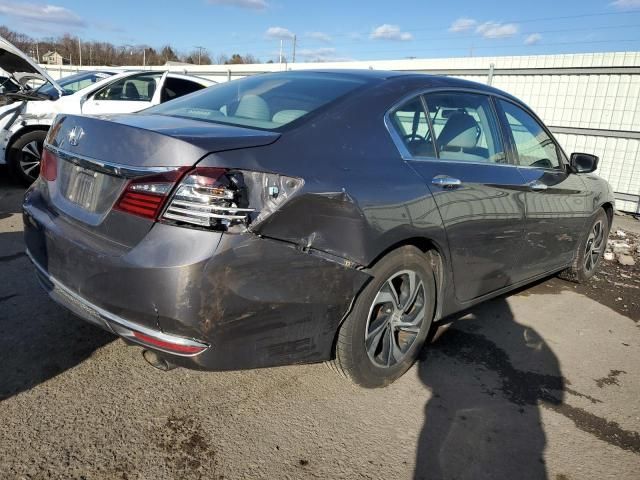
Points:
(465, 127)
(534, 146)
(135, 88)
(267, 101)
(410, 123)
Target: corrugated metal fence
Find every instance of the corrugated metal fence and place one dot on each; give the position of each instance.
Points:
(590, 101)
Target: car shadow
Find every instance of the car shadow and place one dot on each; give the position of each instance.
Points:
(38, 339)
(489, 377)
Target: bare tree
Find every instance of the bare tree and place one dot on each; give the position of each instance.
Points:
(108, 54)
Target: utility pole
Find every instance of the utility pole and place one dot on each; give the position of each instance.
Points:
(200, 49)
(293, 57)
(280, 51)
(80, 52)
(90, 59)
(144, 56)
(37, 54)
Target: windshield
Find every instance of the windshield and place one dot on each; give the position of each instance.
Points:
(263, 101)
(7, 85)
(73, 83)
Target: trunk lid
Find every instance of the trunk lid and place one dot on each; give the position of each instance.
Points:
(21, 67)
(140, 141)
(96, 157)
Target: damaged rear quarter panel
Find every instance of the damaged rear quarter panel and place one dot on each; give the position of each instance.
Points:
(263, 302)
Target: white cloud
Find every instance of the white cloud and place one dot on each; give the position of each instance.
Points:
(497, 30)
(317, 54)
(279, 33)
(41, 13)
(462, 25)
(532, 39)
(323, 37)
(390, 32)
(248, 4)
(626, 4)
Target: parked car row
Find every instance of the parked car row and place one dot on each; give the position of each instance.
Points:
(301, 216)
(28, 112)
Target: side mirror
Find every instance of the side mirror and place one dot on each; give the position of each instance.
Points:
(583, 162)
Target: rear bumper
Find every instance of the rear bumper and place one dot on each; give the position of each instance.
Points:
(107, 320)
(253, 301)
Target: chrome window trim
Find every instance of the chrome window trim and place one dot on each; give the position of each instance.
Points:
(402, 149)
(109, 168)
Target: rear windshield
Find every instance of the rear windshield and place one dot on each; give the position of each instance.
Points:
(267, 101)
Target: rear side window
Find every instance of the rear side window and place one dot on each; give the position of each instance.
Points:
(465, 127)
(534, 146)
(267, 101)
(411, 125)
(177, 87)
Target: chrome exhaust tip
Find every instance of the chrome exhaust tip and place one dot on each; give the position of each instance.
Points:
(156, 361)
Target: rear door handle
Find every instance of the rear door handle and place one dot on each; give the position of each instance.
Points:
(537, 186)
(445, 181)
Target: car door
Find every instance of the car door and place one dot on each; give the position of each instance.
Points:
(459, 152)
(126, 95)
(555, 200)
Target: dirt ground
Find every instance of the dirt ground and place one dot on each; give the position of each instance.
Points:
(540, 384)
(616, 286)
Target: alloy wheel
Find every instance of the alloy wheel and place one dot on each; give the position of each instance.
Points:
(395, 318)
(594, 247)
(30, 159)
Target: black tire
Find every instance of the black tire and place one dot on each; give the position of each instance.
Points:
(590, 250)
(370, 365)
(24, 156)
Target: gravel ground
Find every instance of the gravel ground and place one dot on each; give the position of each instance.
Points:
(543, 383)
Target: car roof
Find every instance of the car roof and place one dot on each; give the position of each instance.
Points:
(425, 80)
(361, 74)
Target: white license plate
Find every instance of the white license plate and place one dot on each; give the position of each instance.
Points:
(81, 189)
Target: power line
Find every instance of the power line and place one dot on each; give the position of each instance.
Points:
(497, 47)
(410, 50)
(421, 29)
(479, 37)
(519, 45)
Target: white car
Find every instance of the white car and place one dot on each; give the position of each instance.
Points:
(27, 114)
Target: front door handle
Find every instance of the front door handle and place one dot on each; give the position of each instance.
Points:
(445, 181)
(538, 186)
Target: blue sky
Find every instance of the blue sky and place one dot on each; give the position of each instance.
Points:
(341, 29)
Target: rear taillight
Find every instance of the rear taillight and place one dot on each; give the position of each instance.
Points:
(208, 197)
(48, 165)
(223, 199)
(145, 196)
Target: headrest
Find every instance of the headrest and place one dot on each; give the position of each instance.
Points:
(286, 116)
(254, 107)
(131, 91)
(460, 131)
